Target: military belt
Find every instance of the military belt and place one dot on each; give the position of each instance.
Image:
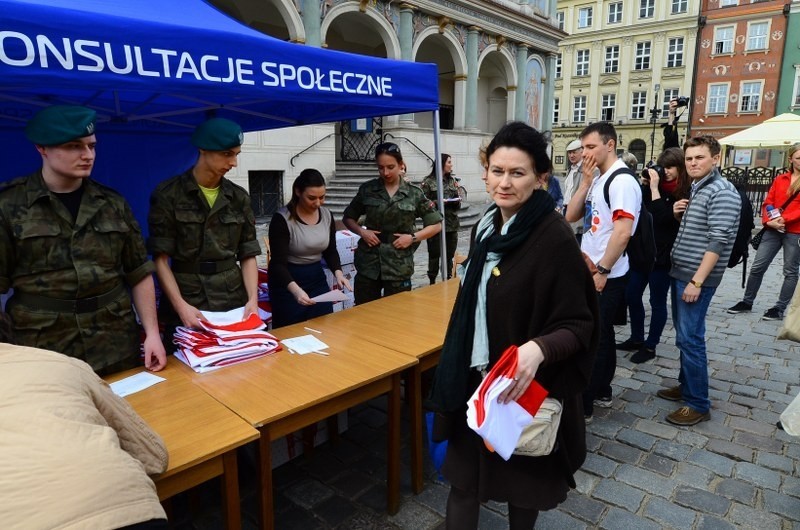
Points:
(81, 305)
(203, 267)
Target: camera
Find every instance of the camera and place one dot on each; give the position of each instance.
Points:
(681, 101)
(655, 167)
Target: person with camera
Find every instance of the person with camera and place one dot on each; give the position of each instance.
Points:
(671, 127)
(663, 183)
(780, 215)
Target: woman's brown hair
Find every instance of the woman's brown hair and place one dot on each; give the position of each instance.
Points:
(673, 157)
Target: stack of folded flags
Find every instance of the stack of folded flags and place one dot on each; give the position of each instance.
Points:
(218, 345)
(500, 425)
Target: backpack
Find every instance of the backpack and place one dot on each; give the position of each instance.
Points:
(741, 246)
(641, 249)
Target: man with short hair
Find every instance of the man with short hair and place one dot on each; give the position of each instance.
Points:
(203, 234)
(573, 180)
(709, 222)
(607, 228)
(74, 254)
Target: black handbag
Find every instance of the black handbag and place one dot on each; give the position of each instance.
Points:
(756, 241)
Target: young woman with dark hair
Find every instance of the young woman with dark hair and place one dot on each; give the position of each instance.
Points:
(451, 223)
(389, 207)
(300, 235)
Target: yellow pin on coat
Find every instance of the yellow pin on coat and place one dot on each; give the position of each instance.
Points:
(495, 271)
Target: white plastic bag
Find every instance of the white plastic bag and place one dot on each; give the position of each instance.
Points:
(790, 418)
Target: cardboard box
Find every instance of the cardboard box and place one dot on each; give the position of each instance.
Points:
(346, 243)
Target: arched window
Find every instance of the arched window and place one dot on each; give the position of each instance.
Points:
(639, 149)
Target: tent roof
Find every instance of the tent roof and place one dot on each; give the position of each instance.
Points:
(154, 69)
(781, 131)
(168, 65)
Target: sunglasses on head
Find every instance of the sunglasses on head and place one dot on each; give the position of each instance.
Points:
(387, 147)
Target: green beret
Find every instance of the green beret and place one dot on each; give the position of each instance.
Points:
(217, 134)
(60, 124)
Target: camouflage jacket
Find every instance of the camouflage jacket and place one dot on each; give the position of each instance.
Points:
(42, 252)
(389, 215)
(450, 191)
(184, 227)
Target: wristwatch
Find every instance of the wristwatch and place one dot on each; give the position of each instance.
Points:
(413, 238)
(601, 269)
(696, 284)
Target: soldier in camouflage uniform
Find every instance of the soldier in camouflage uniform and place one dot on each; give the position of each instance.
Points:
(384, 258)
(451, 222)
(72, 250)
(204, 224)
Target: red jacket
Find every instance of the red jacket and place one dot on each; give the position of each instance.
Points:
(777, 196)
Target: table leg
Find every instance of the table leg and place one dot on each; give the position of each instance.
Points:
(230, 492)
(265, 479)
(393, 452)
(414, 399)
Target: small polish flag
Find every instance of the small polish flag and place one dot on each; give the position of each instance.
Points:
(500, 425)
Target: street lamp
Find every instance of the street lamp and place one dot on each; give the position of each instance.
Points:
(654, 112)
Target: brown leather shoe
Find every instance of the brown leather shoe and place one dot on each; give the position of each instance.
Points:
(687, 416)
(672, 393)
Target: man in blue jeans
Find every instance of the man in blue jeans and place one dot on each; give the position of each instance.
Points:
(709, 221)
(607, 229)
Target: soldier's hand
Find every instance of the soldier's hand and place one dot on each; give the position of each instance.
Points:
(370, 237)
(190, 316)
(250, 308)
(155, 357)
(402, 241)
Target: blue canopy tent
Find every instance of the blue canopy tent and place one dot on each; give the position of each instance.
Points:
(154, 69)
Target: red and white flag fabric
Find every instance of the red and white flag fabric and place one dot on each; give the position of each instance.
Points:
(225, 339)
(500, 425)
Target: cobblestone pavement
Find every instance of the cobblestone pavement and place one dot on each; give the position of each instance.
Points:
(734, 471)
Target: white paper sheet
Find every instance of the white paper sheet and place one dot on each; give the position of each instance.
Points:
(221, 318)
(334, 295)
(135, 383)
(305, 344)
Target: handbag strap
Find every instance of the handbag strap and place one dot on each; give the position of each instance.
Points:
(790, 200)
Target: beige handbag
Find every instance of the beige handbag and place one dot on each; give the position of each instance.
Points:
(791, 323)
(539, 438)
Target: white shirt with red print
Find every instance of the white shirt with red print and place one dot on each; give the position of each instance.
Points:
(625, 196)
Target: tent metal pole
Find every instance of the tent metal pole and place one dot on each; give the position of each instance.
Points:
(437, 160)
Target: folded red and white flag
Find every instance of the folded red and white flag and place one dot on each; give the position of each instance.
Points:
(225, 338)
(500, 425)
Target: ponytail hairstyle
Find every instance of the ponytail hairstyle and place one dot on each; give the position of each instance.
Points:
(796, 186)
(308, 178)
(445, 157)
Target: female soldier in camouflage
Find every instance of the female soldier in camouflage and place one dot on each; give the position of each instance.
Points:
(384, 258)
(451, 223)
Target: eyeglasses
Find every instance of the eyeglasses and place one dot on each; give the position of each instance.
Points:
(386, 147)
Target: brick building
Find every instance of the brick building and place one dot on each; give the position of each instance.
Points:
(740, 49)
